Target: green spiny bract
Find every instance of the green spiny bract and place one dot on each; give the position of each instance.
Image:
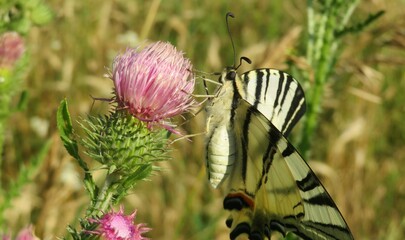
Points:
(125, 146)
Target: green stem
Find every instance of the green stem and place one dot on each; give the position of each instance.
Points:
(322, 48)
(348, 14)
(321, 61)
(105, 197)
(311, 31)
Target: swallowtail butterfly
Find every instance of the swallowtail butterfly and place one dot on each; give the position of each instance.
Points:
(270, 186)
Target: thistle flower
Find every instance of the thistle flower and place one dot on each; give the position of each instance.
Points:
(118, 226)
(11, 49)
(153, 84)
(5, 236)
(24, 234)
(27, 234)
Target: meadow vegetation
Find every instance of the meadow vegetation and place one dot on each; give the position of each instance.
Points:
(356, 146)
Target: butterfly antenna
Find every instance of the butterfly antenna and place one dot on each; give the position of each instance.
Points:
(246, 59)
(230, 14)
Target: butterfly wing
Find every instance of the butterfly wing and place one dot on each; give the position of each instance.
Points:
(273, 189)
(276, 94)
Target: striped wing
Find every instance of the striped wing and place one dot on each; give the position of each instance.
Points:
(272, 92)
(276, 94)
(273, 189)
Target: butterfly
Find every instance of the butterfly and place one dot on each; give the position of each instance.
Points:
(270, 186)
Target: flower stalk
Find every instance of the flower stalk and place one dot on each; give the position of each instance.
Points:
(105, 197)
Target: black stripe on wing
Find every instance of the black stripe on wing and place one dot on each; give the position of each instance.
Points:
(308, 183)
(299, 102)
(310, 230)
(277, 95)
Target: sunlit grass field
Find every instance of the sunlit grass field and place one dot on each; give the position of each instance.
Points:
(357, 151)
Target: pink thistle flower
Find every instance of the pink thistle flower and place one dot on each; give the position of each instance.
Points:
(27, 234)
(154, 83)
(118, 226)
(24, 234)
(11, 49)
(5, 236)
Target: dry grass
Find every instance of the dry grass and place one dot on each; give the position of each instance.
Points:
(358, 148)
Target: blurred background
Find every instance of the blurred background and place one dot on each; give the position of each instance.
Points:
(357, 151)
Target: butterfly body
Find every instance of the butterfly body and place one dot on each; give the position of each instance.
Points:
(221, 141)
(270, 187)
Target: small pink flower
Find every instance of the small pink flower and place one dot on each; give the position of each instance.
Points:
(11, 49)
(154, 83)
(5, 236)
(118, 226)
(24, 234)
(27, 234)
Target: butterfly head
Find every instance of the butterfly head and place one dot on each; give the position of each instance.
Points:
(229, 74)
